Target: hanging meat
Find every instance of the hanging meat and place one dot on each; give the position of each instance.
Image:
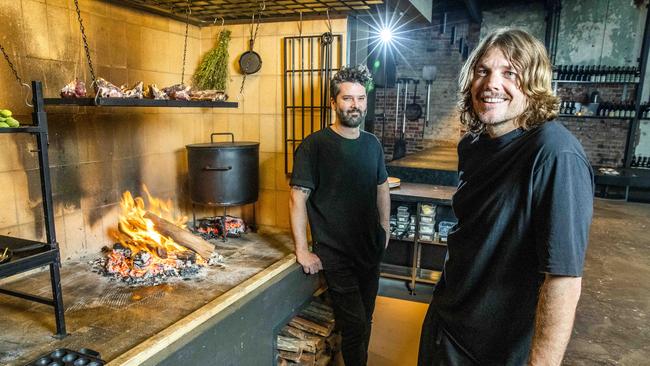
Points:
(74, 89)
(212, 95)
(107, 90)
(156, 93)
(178, 92)
(135, 92)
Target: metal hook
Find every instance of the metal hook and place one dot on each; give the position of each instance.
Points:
(222, 21)
(263, 6)
(29, 88)
(300, 24)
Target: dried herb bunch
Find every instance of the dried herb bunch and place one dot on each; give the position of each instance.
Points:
(212, 72)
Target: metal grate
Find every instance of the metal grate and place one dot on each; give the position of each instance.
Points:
(309, 63)
(204, 12)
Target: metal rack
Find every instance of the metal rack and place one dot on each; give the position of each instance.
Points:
(30, 254)
(415, 273)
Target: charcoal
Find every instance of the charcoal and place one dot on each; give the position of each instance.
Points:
(142, 259)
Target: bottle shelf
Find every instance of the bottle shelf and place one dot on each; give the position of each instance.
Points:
(594, 117)
(596, 82)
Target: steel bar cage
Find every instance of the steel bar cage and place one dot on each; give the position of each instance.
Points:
(309, 63)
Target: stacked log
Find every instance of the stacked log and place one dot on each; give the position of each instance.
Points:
(308, 339)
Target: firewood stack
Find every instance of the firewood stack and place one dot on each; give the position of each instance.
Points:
(308, 339)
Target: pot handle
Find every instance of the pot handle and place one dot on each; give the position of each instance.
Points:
(217, 169)
(232, 136)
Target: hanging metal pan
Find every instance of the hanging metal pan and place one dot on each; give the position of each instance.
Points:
(413, 110)
(250, 61)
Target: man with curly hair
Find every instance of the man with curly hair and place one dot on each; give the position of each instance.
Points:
(339, 184)
(512, 277)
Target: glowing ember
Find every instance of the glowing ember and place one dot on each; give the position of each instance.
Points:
(142, 251)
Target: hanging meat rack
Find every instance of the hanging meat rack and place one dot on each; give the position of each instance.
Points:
(32, 254)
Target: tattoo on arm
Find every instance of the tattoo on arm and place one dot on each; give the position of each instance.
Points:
(304, 190)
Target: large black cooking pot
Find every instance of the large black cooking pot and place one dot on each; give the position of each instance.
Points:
(223, 173)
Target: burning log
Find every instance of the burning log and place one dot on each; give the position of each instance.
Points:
(181, 237)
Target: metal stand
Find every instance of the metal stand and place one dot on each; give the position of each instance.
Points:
(31, 254)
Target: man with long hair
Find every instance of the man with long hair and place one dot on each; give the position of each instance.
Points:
(339, 184)
(512, 277)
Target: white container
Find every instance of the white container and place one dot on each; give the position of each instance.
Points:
(426, 219)
(426, 237)
(426, 229)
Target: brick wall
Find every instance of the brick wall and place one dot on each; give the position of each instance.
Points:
(420, 47)
(602, 139)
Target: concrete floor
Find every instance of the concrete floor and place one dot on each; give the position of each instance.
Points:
(611, 327)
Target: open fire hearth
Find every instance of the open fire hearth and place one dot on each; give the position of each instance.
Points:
(152, 246)
(114, 317)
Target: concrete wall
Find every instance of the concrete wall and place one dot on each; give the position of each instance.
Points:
(98, 153)
(528, 16)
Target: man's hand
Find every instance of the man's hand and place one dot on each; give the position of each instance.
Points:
(309, 261)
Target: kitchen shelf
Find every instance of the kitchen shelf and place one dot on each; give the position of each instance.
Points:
(410, 240)
(24, 252)
(134, 102)
(30, 254)
(595, 117)
(596, 82)
(410, 260)
(394, 271)
(23, 129)
(435, 242)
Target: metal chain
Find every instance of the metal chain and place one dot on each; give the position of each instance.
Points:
(187, 24)
(20, 81)
(11, 65)
(83, 36)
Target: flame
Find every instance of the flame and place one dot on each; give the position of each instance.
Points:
(147, 251)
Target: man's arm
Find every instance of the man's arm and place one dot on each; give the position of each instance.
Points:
(556, 309)
(298, 212)
(383, 205)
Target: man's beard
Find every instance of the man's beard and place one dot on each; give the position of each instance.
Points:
(348, 120)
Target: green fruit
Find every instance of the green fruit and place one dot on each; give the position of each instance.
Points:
(5, 113)
(12, 122)
(3, 119)
(3, 124)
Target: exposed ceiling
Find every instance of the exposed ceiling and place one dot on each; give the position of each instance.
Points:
(207, 12)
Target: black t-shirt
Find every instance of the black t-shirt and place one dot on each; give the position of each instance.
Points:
(524, 206)
(343, 175)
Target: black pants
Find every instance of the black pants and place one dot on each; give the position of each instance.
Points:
(353, 292)
(437, 348)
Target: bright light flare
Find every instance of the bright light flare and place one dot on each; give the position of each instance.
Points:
(386, 35)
